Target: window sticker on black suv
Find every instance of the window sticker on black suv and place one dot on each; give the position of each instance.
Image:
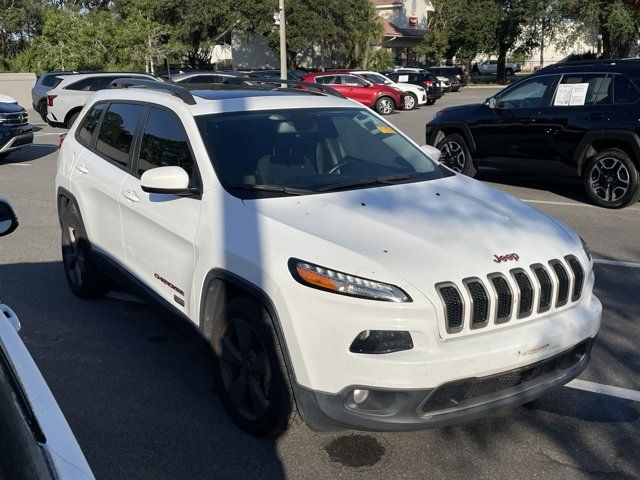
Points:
(85, 131)
(164, 143)
(584, 89)
(117, 130)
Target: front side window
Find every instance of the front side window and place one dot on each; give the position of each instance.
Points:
(89, 123)
(164, 143)
(314, 150)
(579, 89)
(353, 80)
(117, 131)
(329, 80)
(526, 94)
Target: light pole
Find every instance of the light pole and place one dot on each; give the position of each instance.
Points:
(283, 42)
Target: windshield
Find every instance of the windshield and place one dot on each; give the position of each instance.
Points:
(303, 151)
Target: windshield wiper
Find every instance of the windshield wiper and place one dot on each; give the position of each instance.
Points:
(383, 180)
(272, 188)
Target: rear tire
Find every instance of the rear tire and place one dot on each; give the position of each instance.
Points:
(385, 105)
(250, 371)
(83, 277)
(509, 72)
(431, 102)
(42, 110)
(410, 101)
(611, 179)
(456, 154)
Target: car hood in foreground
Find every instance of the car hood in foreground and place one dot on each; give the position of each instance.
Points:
(423, 232)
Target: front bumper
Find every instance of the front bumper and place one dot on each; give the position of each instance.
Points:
(16, 137)
(448, 404)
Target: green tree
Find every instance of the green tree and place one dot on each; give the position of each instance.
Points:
(19, 22)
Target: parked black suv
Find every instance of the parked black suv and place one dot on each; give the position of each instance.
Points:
(15, 130)
(427, 80)
(455, 74)
(578, 117)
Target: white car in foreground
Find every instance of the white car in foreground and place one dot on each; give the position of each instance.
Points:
(415, 95)
(337, 270)
(67, 97)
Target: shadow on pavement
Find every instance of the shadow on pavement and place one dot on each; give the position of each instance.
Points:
(137, 391)
(29, 153)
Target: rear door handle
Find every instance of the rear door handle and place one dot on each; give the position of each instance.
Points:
(131, 195)
(81, 167)
(594, 116)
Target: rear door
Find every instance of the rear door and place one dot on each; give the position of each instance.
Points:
(107, 133)
(158, 229)
(581, 103)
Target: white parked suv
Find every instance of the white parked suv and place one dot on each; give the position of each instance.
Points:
(67, 97)
(415, 94)
(336, 269)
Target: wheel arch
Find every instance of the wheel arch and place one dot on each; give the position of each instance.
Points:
(448, 128)
(598, 140)
(70, 113)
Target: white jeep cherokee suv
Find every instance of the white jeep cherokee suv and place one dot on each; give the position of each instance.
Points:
(337, 271)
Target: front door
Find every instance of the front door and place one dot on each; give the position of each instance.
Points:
(158, 229)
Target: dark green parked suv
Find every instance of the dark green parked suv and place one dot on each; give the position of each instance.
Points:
(576, 118)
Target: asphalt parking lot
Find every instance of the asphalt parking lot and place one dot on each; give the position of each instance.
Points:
(138, 391)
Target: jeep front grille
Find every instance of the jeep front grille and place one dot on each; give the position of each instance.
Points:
(504, 298)
(14, 118)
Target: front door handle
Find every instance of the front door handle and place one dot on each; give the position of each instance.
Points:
(131, 195)
(81, 167)
(594, 116)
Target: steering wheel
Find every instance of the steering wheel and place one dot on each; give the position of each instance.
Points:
(339, 166)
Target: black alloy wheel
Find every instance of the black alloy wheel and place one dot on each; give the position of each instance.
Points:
(456, 154)
(611, 179)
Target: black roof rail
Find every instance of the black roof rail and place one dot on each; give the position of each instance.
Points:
(594, 62)
(296, 83)
(180, 92)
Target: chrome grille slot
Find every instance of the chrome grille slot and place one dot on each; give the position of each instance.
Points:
(563, 282)
(14, 118)
(546, 287)
(504, 297)
(479, 302)
(578, 277)
(453, 306)
(525, 292)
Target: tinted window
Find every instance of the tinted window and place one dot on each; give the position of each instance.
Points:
(50, 81)
(526, 94)
(578, 89)
(89, 123)
(329, 80)
(624, 90)
(117, 130)
(80, 85)
(352, 80)
(164, 143)
(203, 79)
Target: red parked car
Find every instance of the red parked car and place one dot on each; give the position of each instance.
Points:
(382, 98)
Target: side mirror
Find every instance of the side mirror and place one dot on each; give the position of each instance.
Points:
(432, 152)
(8, 219)
(368, 84)
(491, 102)
(167, 181)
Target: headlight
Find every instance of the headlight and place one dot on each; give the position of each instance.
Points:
(344, 284)
(586, 249)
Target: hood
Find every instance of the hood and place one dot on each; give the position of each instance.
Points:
(458, 110)
(7, 100)
(424, 232)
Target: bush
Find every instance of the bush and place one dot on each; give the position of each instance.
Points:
(380, 60)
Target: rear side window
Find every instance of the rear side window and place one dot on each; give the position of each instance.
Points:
(82, 85)
(117, 131)
(624, 91)
(89, 123)
(578, 89)
(164, 143)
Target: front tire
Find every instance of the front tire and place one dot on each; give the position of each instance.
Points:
(83, 277)
(250, 370)
(385, 105)
(410, 101)
(611, 179)
(456, 154)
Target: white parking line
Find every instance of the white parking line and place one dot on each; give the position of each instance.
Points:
(616, 263)
(604, 389)
(47, 133)
(16, 164)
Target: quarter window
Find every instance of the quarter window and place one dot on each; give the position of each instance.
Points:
(89, 123)
(526, 94)
(624, 91)
(164, 143)
(117, 131)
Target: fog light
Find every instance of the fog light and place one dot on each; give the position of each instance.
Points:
(381, 341)
(360, 396)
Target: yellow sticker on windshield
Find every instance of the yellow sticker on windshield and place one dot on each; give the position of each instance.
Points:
(386, 129)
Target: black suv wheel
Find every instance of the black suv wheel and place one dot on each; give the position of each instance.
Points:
(250, 370)
(456, 155)
(611, 179)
